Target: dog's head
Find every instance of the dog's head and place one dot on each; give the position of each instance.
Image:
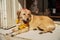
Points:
(25, 15)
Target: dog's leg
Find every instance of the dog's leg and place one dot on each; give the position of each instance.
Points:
(35, 29)
(40, 29)
(19, 31)
(50, 31)
(44, 31)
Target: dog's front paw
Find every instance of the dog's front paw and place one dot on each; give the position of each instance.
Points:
(35, 29)
(41, 33)
(12, 35)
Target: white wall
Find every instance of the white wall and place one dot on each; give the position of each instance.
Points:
(3, 13)
(8, 15)
(12, 7)
(0, 12)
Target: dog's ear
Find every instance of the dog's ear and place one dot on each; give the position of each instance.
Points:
(18, 16)
(18, 13)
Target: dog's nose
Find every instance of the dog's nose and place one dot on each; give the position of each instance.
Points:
(27, 19)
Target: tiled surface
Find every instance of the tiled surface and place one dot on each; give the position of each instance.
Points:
(48, 36)
(33, 35)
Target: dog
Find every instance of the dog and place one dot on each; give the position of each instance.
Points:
(43, 23)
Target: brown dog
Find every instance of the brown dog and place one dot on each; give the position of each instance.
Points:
(43, 23)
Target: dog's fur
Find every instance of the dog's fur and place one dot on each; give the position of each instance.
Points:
(43, 23)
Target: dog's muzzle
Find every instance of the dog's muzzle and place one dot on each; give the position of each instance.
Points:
(26, 21)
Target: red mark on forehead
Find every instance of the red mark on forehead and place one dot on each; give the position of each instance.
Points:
(25, 10)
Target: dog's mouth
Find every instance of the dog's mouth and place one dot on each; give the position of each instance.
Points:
(26, 21)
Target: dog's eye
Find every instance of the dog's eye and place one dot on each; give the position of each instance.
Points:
(23, 14)
(28, 14)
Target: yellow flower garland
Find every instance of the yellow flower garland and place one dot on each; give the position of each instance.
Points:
(22, 25)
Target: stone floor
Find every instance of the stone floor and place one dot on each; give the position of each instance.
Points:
(32, 35)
